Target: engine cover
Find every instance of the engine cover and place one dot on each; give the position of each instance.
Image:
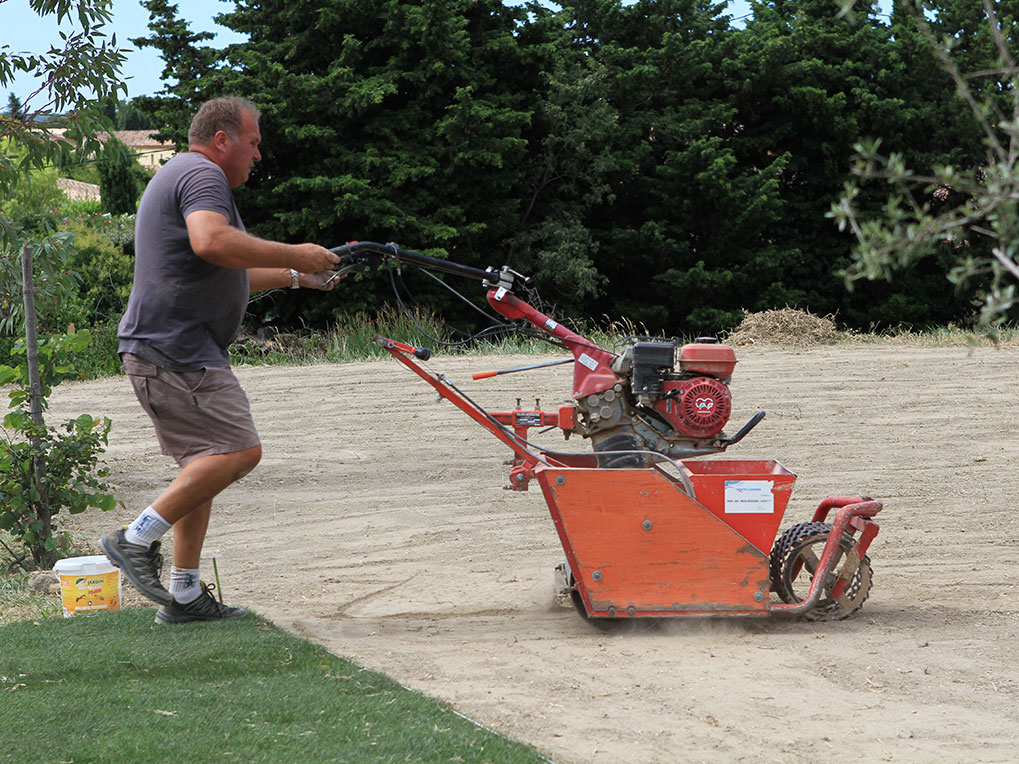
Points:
(699, 407)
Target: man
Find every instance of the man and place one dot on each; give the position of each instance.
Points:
(194, 269)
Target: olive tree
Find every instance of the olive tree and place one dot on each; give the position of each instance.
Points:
(966, 214)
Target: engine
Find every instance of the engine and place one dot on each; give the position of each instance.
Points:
(679, 412)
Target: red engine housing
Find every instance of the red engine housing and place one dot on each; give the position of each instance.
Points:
(699, 408)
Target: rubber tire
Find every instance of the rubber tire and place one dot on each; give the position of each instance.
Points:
(622, 441)
(783, 558)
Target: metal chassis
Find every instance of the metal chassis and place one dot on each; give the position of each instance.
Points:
(853, 515)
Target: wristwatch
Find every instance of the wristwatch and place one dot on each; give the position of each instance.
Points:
(294, 279)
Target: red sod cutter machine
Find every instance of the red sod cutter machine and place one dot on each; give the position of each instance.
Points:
(647, 531)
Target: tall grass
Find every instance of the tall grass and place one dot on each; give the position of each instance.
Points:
(944, 336)
(351, 338)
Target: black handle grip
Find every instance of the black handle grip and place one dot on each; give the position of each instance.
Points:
(356, 249)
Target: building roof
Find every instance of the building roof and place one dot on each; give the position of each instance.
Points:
(78, 190)
(140, 138)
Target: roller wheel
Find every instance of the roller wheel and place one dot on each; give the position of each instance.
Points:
(794, 560)
(623, 441)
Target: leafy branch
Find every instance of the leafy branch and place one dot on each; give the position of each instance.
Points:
(970, 213)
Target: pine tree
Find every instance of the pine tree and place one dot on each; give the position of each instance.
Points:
(389, 121)
(189, 72)
(117, 187)
(679, 235)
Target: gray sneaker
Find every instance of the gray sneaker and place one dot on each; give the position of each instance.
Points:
(204, 608)
(141, 564)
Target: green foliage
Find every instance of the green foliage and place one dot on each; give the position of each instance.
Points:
(53, 280)
(682, 237)
(14, 107)
(962, 216)
(71, 481)
(72, 77)
(641, 159)
(94, 267)
(391, 121)
(188, 64)
(117, 185)
(103, 270)
(44, 470)
(125, 115)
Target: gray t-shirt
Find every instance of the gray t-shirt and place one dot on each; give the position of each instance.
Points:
(183, 312)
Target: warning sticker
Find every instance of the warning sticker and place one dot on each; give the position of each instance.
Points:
(749, 497)
(588, 361)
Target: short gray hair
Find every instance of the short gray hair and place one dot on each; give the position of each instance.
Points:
(220, 114)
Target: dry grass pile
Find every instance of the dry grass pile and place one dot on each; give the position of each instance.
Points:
(787, 326)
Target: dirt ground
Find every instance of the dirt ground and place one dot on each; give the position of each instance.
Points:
(377, 525)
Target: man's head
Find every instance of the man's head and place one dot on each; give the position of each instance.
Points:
(226, 131)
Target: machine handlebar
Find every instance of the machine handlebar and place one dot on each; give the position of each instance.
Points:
(356, 255)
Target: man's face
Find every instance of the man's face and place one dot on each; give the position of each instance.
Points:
(237, 157)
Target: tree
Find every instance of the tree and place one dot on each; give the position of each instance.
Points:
(965, 215)
(14, 108)
(189, 72)
(37, 475)
(394, 121)
(71, 77)
(679, 232)
(813, 83)
(117, 186)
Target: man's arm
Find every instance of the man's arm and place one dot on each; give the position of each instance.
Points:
(215, 240)
(275, 278)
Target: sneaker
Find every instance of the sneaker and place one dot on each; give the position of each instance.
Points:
(141, 564)
(204, 608)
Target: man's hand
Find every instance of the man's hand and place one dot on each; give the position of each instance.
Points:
(324, 280)
(311, 259)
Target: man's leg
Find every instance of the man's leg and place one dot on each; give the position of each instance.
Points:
(194, 413)
(189, 536)
(200, 481)
(188, 501)
(204, 476)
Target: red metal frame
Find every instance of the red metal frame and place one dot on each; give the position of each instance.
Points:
(638, 544)
(592, 372)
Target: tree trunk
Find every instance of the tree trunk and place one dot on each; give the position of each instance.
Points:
(42, 506)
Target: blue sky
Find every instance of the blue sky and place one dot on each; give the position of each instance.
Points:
(142, 70)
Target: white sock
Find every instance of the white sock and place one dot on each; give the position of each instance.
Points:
(185, 584)
(146, 528)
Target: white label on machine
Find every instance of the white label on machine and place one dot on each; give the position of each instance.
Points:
(588, 361)
(550, 325)
(749, 497)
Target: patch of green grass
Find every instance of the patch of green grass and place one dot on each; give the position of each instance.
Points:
(115, 687)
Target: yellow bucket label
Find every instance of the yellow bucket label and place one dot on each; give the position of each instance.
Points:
(95, 591)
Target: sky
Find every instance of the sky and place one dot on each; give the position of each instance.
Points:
(143, 68)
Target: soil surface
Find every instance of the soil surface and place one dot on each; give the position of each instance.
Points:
(377, 525)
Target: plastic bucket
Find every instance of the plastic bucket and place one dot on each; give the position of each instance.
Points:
(87, 584)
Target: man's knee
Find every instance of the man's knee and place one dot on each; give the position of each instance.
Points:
(247, 460)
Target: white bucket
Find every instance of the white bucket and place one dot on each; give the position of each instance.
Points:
(88, 583)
